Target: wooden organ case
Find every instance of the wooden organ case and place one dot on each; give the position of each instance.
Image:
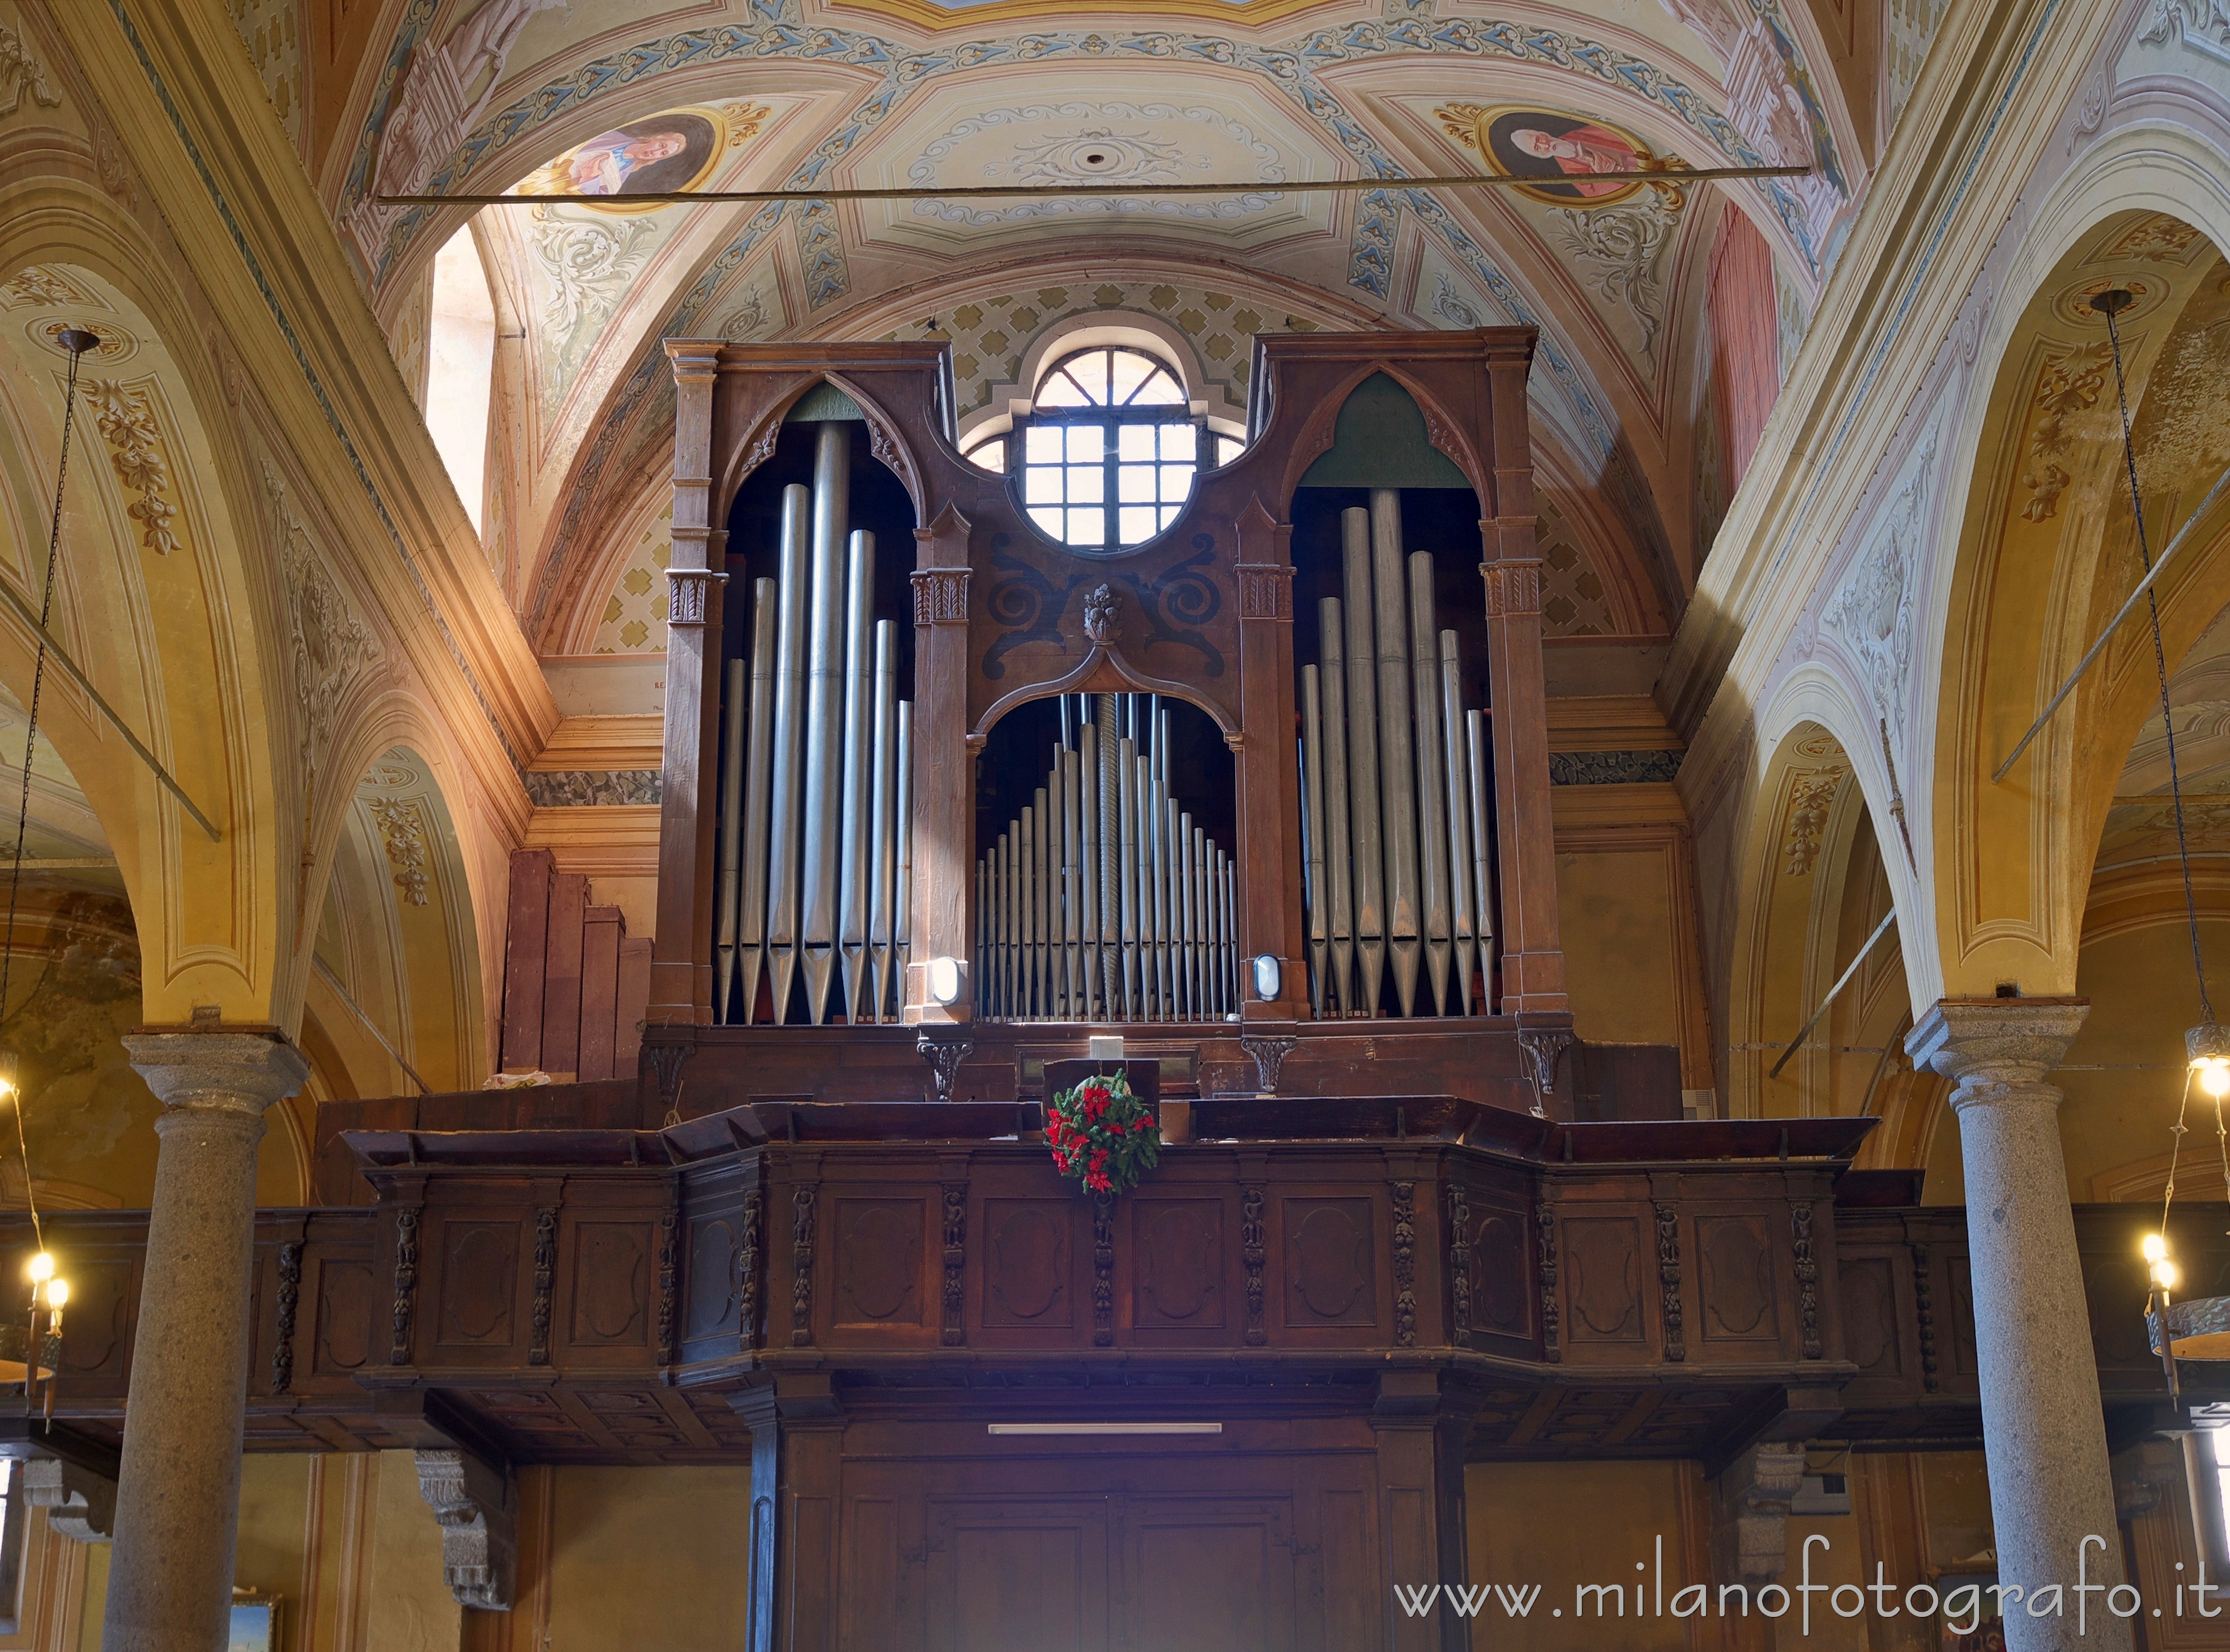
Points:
(800, 981)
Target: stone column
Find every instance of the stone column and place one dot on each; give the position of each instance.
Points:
(178, 1498)
(2043, 1433)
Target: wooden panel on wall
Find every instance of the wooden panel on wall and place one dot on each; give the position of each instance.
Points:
(1180, 1265)
(1734, 1265)
(561, 985)
(601, 929)
(1209, 1576)
(1330, 1265)
(1019, 1573)
(526, 938)
(608, 1286)
(880, 1255)
(1028, 1263)
(1603, 1272)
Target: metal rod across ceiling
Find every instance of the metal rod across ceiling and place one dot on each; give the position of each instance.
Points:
(1018, 191)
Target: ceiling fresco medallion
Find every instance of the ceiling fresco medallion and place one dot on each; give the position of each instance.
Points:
(675, 149)
(1564, 152)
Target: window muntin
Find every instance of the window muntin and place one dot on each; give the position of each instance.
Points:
(1110, 455)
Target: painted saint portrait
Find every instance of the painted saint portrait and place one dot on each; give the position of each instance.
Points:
(1568, 153)
(661, 153)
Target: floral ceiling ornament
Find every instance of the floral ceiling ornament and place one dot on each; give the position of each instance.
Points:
(2070, 384)
(1100, 144)
(402, 834)
(35, 287)
(2178, 21)
(126, 418)
(591, 263)
(1620, 252)
(331, 646)
(1871, 612)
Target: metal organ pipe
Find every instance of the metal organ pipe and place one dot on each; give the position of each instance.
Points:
(1396, 825)
(882, 846)
(1366, 850)
(789, 746)
(1339, 857)
(1396, 764)
(816, 777)
(824, 719)
(1312, 852)
(759, 798)
(858, 822)
(1108, 901)
(1458, 747)
(1432, 785)
(731, 841)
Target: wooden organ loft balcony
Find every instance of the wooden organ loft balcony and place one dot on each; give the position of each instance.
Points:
(1360, 1296)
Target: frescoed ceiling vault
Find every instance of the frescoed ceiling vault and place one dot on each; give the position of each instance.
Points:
(487, 96)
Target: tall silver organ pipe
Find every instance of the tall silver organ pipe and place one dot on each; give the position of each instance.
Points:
(758, 802)
(788, 800)
(855, 878)
(1397, 831)
(1102, 900)
(817, 776)
(1339, 858)
(1434, 870)
(1366, 851)
(824, 718)
(1396, 765)
(730, 868)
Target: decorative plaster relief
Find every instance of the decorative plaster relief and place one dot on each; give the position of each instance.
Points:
(331, 647)
(20, 74)
(1620, 252)
(271, 31)
(402, 834)
(2186, 22)
(445, 91)
(1811, 798)
(126, 415)
(590, 260)
(2158, 239)
(1871, 611)
(35, 287)
(2069, 383)
(1100, 144)
(574, 789)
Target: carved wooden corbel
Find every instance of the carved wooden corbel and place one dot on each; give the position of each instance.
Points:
(478, 1509)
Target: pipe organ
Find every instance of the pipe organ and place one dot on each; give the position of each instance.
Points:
(814, 832)
(874, 844)
(1102, 900)
(1395, 819)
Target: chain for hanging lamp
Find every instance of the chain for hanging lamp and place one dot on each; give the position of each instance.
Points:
(30, 1352)
(2196, 1327)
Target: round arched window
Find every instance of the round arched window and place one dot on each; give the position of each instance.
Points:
(1110, 452)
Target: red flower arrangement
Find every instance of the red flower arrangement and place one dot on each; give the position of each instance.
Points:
(1103, 1134)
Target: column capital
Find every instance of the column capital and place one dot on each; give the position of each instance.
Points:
(1996, 1048)
(241, 1073)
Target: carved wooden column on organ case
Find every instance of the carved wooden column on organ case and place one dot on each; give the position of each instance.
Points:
(1532, 953)
(681, 958)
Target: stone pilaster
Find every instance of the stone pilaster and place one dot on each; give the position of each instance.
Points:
(2043, 1434)
(177, 1495)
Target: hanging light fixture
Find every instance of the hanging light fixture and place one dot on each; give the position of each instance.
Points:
(2196, 1327)
(31, 1353)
